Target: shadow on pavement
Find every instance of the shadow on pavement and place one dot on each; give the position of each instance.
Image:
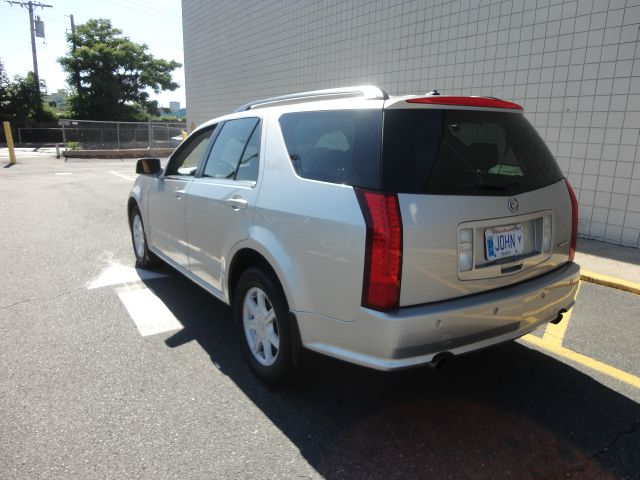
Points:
(507, 412)
(606, 250)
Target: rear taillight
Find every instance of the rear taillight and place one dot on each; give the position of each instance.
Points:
(574, 221)
(383, 252)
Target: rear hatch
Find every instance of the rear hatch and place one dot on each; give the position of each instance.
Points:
(483, 202)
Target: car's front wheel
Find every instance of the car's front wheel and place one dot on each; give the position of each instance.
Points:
(144, 258)
(260, 312)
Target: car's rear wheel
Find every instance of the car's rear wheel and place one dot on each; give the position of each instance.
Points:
(144, 258)
(260, 312)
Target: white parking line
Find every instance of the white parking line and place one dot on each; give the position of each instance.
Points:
(147, 311)
(118, 274)
(129, 177)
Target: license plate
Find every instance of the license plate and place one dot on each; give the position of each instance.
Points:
(503, 242)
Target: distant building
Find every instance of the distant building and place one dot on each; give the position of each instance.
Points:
(58, 99)
(174, 106)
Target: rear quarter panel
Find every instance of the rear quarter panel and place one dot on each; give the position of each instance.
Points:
(312, 232)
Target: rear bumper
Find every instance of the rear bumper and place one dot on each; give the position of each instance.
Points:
(414, 335)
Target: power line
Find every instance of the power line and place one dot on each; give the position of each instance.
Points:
(25, 4)
(151, 5)
(168, 20)
(19, 40)
(54, 19)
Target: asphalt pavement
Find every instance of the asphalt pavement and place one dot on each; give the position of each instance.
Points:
(89, 390)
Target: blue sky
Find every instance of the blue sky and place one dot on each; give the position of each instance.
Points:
(158, 23)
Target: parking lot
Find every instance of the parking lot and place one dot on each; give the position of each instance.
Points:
(113, 372)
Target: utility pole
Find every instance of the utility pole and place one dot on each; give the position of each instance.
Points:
(32, 32)
(76, 72)
(33, 47)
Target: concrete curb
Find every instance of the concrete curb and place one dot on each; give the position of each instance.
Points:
(612, 282)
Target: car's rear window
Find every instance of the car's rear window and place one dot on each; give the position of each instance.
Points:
(339, 146)
(446, 152)
(462, 152)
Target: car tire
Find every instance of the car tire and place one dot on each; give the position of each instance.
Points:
(261, 313)
(144, 258)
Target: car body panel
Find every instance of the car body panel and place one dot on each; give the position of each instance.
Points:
(430, 270)
(166, 212)
(187, 273)
(320, 227)
(413, 336)
(214, 225)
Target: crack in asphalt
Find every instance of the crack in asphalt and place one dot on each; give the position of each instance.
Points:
(585, 462)
(633, 429)
(42, 299)
(14, 304)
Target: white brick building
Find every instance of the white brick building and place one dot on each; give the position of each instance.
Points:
(574, 65)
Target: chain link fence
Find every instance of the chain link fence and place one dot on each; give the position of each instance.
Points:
(38, 135)
(97, 135)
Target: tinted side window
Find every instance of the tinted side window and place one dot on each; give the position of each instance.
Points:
(248, 167)
(335, 146)
(460, 152)
(186, 159)
(229, 147)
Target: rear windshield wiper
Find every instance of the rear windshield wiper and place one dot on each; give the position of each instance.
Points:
(492, 188)
(498, 187)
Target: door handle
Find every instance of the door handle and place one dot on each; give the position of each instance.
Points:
(238, 203)
(180, 193)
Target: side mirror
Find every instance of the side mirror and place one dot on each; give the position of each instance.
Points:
(148, 166)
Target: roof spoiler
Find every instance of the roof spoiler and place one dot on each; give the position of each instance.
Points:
(487, 102)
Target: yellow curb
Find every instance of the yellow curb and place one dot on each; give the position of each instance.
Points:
(607, 281)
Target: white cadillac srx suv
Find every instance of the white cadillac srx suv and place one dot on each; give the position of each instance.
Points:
(384, 231)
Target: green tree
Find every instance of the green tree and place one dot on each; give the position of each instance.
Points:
(4, 85)
(152, 108)
(110, 75)
(19, 99)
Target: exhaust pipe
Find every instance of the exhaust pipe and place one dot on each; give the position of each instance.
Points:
(438, 360)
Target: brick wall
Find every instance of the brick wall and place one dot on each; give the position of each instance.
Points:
(574, 65)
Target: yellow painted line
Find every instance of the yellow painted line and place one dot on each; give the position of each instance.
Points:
(608, 281)
(583, 360)
(552, 342)
(554, 333)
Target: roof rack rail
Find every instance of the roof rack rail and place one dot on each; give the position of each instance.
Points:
(365, 91)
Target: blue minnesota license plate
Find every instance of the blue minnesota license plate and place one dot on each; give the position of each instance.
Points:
(503, 242)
